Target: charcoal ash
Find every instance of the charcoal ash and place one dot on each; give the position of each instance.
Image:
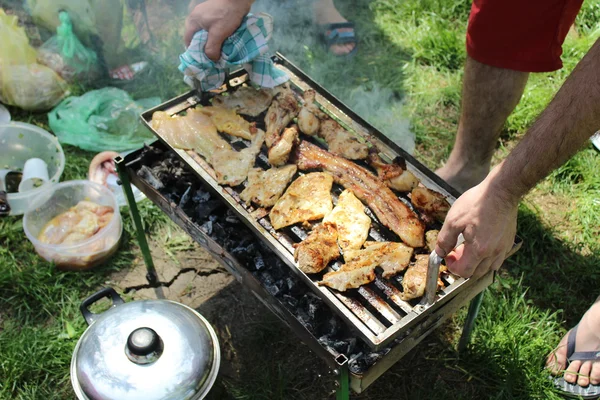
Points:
(148, 175)
(183, 188)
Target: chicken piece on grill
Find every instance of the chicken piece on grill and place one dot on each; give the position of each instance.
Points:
(308, 198)
(431, 239)
(390, 211)
(395, 175)
(246, 100)
(360, 265)
(228, 121)
(415, 278)
(279, 152)
(232, 167)
(318, 249)
(265, 187)
(430, 203)
(351, 221)
(341, 142)
(282, 111)
(195, 131)
(310, 115)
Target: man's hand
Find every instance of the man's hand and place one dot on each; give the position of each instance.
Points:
(220, 18)
(487, 218)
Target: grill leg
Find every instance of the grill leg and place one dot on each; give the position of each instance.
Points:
(137, 221)
(470, 322)
(343, 391)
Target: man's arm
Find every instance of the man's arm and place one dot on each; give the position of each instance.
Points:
(220, 18)
(486, 214)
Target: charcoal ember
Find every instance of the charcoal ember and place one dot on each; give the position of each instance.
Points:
(148, 175)
(290, 301)
(312, 304)
(204, 210)
(219, 233)
(185, 197)
(231, 217)
(272, 289)
(201, 196)
(332, 326)
(305, 320)
(266, 278)
(207, 227)
(259, 263)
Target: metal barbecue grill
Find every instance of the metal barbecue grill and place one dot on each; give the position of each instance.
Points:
(375, 313)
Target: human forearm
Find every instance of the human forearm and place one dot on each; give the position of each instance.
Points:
(560, 131)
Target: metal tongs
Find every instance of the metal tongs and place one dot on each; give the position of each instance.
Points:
(433, 273)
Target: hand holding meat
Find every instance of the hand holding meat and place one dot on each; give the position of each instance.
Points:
(220, 18)
(487, 218)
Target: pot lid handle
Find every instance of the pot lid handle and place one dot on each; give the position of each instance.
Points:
(89, 316)
(144, 346)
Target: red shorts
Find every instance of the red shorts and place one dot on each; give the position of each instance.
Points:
(523, 35)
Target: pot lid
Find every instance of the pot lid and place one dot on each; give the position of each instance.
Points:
(151, 350)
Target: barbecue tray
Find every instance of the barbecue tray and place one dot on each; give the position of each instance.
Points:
(375, 311)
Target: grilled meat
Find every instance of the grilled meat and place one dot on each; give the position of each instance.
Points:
(431, 239)
(232, 167)
(318, 249)
(351, 221)
(265, 187)
(195, 131)
(280, 151)
(308, 198)
(360, 264)
(282, 111)
(246, 100)
(310, 114)
(226, 120)
(367, 187)
(341, 142)
(415, 278)
(395, 175)
(430, 203)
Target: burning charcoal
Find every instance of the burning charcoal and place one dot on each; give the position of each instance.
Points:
(207, 208)
(201, 196)
(272, 289)
(146, 174)
(331, 326)
(231, 217)
(304, 319)
(259, 263)
(185, 197)
(289, 300)
(266, 278)
(207, 227)
(312, 304)
(372, 358)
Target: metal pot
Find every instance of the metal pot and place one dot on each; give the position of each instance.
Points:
(150, 350)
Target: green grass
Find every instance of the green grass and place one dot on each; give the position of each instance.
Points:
(408, 69)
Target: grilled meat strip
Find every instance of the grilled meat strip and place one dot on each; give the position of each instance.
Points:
(360, 265)
(231, 166)
(310, 115)
(430, 203)
(318, 249)
(266, 187)
(228, 121)
(307, 199)
(395, 175)
(246, 100)
(351, 221)
(282, 111)
(367, 187)
(280, 150)
(415, 278)
(341, 142)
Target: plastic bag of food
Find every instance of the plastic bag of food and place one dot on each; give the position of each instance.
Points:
(104, 119)
(66, 55)
(23, 82)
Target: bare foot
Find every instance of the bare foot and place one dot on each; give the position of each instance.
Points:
(326, 13)
(588, 339)
(462, 177)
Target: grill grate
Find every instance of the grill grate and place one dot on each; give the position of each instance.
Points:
(375, 311)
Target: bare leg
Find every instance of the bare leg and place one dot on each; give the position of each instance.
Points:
(326, 13)
(489, 95)
(587, 339)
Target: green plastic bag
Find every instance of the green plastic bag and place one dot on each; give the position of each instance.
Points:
(104, 119)
(65, 54)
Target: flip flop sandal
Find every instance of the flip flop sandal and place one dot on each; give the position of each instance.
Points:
(330, 34)
(572, 389)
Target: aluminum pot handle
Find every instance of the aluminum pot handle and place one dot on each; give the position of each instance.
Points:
(89, 316)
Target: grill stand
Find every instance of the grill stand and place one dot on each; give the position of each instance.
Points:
(343, 383)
